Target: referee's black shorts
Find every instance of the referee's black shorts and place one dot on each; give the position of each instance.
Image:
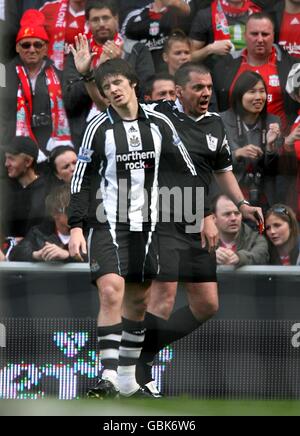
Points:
(181, 256)
(131, 255)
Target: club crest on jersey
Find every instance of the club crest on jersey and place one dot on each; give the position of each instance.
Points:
(134, 141)
(154, 29)
(85, 155)
(274, 81)
(212, 142)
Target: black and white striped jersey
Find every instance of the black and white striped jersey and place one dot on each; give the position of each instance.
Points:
(120, 166)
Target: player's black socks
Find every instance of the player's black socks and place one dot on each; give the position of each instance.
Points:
(153, 325)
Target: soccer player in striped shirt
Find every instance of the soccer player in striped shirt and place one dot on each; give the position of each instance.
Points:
(124, 150)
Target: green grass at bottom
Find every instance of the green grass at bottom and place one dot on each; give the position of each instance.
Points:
(163, 407)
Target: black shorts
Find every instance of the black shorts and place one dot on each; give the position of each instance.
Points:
(131, 255)
(182, 258)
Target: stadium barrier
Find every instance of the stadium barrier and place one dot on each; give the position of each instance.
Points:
(249, 350)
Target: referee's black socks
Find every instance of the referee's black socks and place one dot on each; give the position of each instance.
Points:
(161, 333)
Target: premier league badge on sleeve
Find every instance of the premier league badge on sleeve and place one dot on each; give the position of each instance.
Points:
(85, 155)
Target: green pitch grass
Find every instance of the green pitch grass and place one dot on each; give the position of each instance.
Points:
(163, 407)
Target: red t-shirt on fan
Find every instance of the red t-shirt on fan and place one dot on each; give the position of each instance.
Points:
(75, 21)
(270, 75)
(289, 37)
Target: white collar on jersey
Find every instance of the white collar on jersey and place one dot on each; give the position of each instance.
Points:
(207, 114)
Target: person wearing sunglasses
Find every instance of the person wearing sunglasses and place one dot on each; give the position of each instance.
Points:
(282, 232)
(32, 103)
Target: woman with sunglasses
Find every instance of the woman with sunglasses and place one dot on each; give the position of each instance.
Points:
(282, 232)
(254, 137)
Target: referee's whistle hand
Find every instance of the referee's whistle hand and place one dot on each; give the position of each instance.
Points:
(210, 234)
(253, 213)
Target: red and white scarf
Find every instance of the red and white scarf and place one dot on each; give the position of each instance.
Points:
(221, 9)
(60, 124)
(56, 50)
(97, 48)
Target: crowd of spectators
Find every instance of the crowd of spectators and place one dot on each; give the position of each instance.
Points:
(252, 48)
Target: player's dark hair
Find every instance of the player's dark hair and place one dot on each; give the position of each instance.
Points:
(114, 67)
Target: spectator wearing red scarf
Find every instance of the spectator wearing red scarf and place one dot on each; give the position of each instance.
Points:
(64, 19)
(32, 103)
(219, 29)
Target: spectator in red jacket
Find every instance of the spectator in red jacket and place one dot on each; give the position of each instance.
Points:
(264, 57)
(64, 19)
(32, 103)
(287, 19)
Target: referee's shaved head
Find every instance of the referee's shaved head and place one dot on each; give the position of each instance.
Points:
(182, 75)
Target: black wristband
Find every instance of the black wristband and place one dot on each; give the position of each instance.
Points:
(88, 77)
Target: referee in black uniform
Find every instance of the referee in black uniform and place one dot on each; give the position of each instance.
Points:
(185, 256)
(114, 189)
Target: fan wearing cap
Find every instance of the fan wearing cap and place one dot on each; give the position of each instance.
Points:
(23, 190)
(32, 100)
